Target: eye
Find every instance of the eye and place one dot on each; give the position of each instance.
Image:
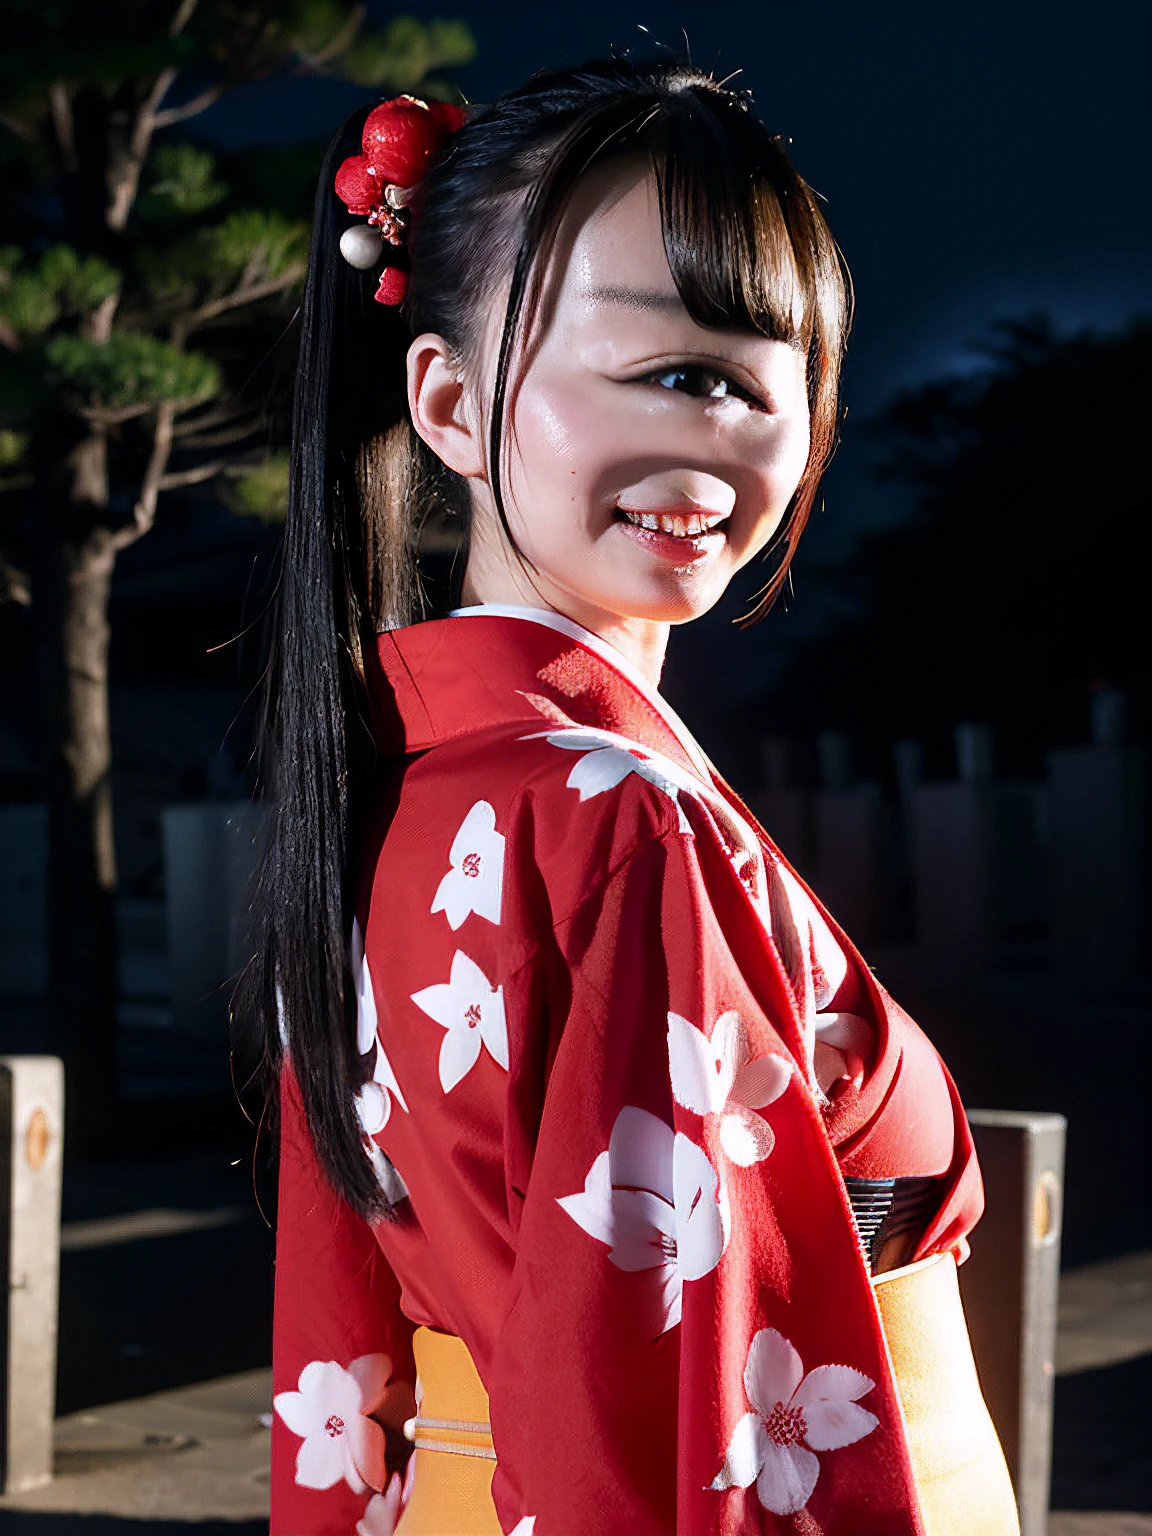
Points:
(703, 381)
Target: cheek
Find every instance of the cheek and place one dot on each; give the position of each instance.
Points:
(563, 438)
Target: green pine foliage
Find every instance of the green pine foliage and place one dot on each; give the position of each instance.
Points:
(130, 368)
(144, 279)
(261, 490)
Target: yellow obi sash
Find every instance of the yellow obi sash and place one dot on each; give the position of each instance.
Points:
(961, 1476)
(452, 1487)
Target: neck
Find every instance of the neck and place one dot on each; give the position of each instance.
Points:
(642, 641)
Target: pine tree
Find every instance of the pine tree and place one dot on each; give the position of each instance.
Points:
(136, 287)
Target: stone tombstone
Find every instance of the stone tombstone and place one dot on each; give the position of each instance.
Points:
(31, 1135)
(209, 853)
(854, 863)
(1098, 836)
(783, 809)
(952, 837)
(1010, 1290)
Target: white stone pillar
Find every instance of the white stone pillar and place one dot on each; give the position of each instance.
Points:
(31, 1137)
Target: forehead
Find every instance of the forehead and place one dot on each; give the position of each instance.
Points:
(610, 246)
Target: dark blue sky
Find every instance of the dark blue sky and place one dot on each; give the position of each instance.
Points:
(978, 159)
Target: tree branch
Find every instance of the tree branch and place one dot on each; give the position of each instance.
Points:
(250, 294)
(15, 586)
(223, 439)
(343, 40)
(200, 103)
(126, 161)
(144, 512)
(197, 476)
(23, 131)
(216, 416)
(184, 13)
(60, 105)
(113, 415)
(98, 325)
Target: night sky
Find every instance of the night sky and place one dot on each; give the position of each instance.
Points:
(978, 161)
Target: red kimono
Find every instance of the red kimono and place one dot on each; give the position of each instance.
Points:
(622, 1064)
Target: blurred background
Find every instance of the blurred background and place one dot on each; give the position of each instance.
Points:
(944, 724)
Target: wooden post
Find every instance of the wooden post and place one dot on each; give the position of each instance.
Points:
(31, 1136)
(1010, 1287)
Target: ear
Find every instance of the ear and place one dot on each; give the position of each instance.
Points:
(441, 405)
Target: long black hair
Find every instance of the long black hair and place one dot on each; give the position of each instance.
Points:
(748, 247)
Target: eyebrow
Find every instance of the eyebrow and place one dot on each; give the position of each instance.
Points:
(638, 298)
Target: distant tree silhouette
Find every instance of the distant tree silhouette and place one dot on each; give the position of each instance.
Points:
(1017, 581)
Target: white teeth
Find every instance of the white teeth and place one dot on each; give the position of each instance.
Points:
(689, 525)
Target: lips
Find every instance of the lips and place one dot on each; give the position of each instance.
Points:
(681, 525)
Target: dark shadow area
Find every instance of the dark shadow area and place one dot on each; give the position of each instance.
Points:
(142, 1316)
(1102, 1451)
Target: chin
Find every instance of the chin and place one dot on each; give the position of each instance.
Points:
(678, 606)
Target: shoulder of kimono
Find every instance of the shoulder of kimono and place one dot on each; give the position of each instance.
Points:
(569, 818)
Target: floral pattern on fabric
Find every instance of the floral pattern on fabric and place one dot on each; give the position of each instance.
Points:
(713, 1075)
(330, 1411)
(795, 1416)
(608, 760)
(382, 1513)
(475, 882)
(472, 1012)
(839, 1042)
(655, 1200)
(373, 1098)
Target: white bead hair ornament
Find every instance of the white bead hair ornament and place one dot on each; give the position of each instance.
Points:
(361, 246)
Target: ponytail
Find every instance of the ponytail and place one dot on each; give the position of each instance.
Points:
(347, 571)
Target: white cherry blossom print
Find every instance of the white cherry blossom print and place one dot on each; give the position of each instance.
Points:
(714, 1075)
(607, 760)
(472, 1011)
(373, 1098)
(525, 1527)
(475, 881)
(795, 1416)
(383, 1511)
(330, 1412)
(654, 1199)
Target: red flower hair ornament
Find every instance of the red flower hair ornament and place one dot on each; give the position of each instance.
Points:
(401, 137)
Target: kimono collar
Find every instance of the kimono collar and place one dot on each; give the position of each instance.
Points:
(495, 664)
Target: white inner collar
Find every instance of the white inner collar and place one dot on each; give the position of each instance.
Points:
(607, 652)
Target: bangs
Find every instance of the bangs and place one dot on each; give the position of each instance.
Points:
(733, 256)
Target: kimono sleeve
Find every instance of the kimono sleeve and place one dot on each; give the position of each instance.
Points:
(682, 1204)
(340, 1350)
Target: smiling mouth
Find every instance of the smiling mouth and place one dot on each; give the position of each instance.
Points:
(681, 525)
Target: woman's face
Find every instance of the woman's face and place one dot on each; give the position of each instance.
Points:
(648, 457)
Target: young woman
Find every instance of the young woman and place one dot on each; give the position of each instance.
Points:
(608, 1172)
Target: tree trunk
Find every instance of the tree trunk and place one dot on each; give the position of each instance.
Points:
(74, 581)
